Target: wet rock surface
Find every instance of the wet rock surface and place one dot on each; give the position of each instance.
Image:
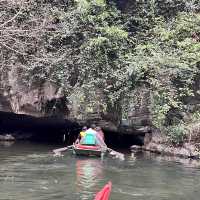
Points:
(158, 143)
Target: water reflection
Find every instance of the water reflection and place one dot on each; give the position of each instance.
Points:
(6, 143)
(28, 171)
(88, 173)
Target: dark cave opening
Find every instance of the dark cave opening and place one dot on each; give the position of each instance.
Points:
(122, 140)
(36, 128)
(56, 130)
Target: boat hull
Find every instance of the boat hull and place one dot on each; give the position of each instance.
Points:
(84, 151)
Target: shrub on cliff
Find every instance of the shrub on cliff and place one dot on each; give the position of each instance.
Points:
(88, 45)
(170, 62)
(177, 134)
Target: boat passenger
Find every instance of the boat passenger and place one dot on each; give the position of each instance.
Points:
(93, 126)
(81, 134)
(91, 130)
(92, 137)
(100, 137)
(89, 137)
(100, 132)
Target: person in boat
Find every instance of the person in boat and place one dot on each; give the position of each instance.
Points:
(100, 137)
(100, 132)
(91, 130)
(81, 134)
(89, 137)
(92, 137)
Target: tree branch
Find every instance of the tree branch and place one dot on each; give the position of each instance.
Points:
(2, 25)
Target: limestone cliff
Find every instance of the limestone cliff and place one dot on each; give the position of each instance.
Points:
(47, 99)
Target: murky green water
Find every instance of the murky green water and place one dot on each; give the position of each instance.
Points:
(29, 172)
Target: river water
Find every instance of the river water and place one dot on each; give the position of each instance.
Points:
(28, 171)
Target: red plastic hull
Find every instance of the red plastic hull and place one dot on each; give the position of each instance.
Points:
(104, 194)
(86, 150)
(87, 147)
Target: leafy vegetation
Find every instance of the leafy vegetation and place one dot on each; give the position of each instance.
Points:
(176, 134)
(92, 45)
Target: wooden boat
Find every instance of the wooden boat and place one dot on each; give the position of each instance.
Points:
(88, 150)
(91, 144)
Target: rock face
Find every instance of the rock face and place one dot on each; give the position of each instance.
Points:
(47, 99)
(37, 97)
(36, 101)
(158, 143)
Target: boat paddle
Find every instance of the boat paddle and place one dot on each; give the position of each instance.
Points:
(116, 154)
(57, 152)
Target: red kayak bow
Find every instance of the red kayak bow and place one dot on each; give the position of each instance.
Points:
(104, 194)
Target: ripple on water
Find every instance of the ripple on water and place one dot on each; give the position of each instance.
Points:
(32, 173)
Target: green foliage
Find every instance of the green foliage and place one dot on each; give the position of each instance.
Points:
(94, 46)
(168, 63)
(194, 117)
(176, 134)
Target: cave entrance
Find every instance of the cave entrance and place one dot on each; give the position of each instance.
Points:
(37, 128)
(122, 140)
(56, 129)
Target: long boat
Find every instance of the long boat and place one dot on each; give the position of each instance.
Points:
(91, 144)
(88, 150)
